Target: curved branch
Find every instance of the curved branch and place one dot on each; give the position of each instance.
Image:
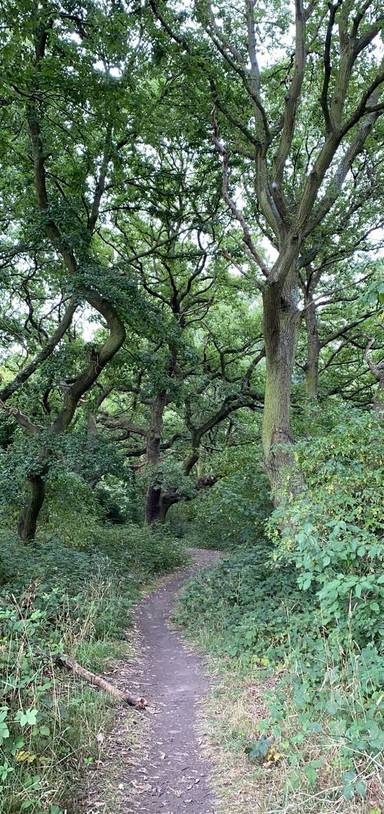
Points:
(40, 357)
(293, 95)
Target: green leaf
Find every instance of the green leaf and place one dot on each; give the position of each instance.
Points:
(361, 788)
(27, 718)
(258, 749)
(3, 713)
(311, 774)
(5, 770)
(4, 732)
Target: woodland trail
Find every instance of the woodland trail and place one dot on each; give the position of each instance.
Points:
(169, 775)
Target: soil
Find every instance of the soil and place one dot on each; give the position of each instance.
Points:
(165, 771)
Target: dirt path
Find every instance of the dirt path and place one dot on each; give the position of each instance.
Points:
(170, 775)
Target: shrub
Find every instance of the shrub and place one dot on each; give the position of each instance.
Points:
(312, 601)
(247, 600)
(233, 511)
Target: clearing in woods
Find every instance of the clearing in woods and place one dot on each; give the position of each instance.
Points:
(167, 773)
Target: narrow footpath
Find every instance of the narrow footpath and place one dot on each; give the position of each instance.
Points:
(169, 775)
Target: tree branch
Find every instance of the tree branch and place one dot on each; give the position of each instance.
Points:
(40, 357)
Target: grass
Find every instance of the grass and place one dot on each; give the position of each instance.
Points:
(121, 744)
(302, 758)
(54, 729)
(302, 778)
(48, 758)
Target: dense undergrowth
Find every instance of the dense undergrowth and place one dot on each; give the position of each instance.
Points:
(293, 620)
(306, 607)
(233, 513)
(57, 598)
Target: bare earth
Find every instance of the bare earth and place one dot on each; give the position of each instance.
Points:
(169, 775)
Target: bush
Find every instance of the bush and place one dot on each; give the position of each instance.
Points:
(251, 611)
(312, 602)
(338, 548)
(232, 512)
(245, 604)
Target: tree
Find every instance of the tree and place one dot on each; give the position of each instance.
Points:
(70, 131)
(287, 195)
(166, 417)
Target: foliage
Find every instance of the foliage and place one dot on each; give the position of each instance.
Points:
(234, 510)
(190, 219)
(337, 547)
(245, 603)
(311, 601)
(250, 611)
(56, 599)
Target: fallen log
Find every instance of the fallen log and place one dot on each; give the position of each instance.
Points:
(122, 695)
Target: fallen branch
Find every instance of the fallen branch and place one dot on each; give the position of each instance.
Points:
(97, 681)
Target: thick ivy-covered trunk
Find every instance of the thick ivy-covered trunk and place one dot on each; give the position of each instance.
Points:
(30, 512)
(153, 511)
(281, 318)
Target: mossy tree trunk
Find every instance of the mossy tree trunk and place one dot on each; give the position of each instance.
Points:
(281, 319)
(30, 512)
(153, 498)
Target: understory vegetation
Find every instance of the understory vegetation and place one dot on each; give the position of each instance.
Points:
(71, 598)
(301, 616)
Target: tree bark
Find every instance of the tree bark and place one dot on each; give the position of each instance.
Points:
(153, 498)
(122, 695)
(281, 318)
(31, 510)
(313, 349)
(153, 505)
(166, 501)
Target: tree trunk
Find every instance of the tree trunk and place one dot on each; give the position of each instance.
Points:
(313, 350)
(121, 695)
(153, 505)
(84, 381)
(378, 403)
(153, 499)
(281, 317)
(165, 504)
(31, 510)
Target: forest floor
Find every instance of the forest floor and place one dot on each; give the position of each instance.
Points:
(154, 762)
